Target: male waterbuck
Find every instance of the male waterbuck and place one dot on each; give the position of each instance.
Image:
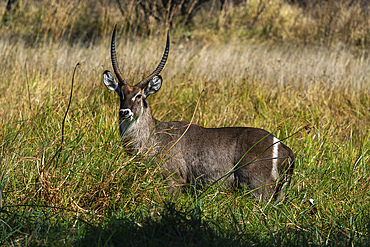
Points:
(255, 158)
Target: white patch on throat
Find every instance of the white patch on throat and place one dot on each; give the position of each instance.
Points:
(275, 152)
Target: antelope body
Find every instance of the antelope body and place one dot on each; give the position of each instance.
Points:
(196, 155)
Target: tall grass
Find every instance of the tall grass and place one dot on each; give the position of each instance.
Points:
(93, 193)
(323, 23)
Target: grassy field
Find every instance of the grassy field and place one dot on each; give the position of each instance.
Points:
(65, 177)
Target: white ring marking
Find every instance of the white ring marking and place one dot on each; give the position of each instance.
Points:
(275, 149)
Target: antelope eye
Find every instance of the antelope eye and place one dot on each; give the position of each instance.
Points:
(138, 96)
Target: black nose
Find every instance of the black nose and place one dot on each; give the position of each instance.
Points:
(124, 113)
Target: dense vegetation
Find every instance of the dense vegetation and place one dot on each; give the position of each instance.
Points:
(299, 72)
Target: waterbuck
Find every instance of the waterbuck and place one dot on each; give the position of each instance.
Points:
(254, 158)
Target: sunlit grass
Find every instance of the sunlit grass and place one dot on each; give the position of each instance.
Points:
(94, 178)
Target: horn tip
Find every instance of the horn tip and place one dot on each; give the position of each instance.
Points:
(115, 28)
(168, 38)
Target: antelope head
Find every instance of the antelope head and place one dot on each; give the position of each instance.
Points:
(133, 99)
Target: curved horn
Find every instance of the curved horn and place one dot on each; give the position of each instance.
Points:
(114, 59)
(160, 66)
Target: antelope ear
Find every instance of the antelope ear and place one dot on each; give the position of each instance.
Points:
(109, 81)
(153, 86)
